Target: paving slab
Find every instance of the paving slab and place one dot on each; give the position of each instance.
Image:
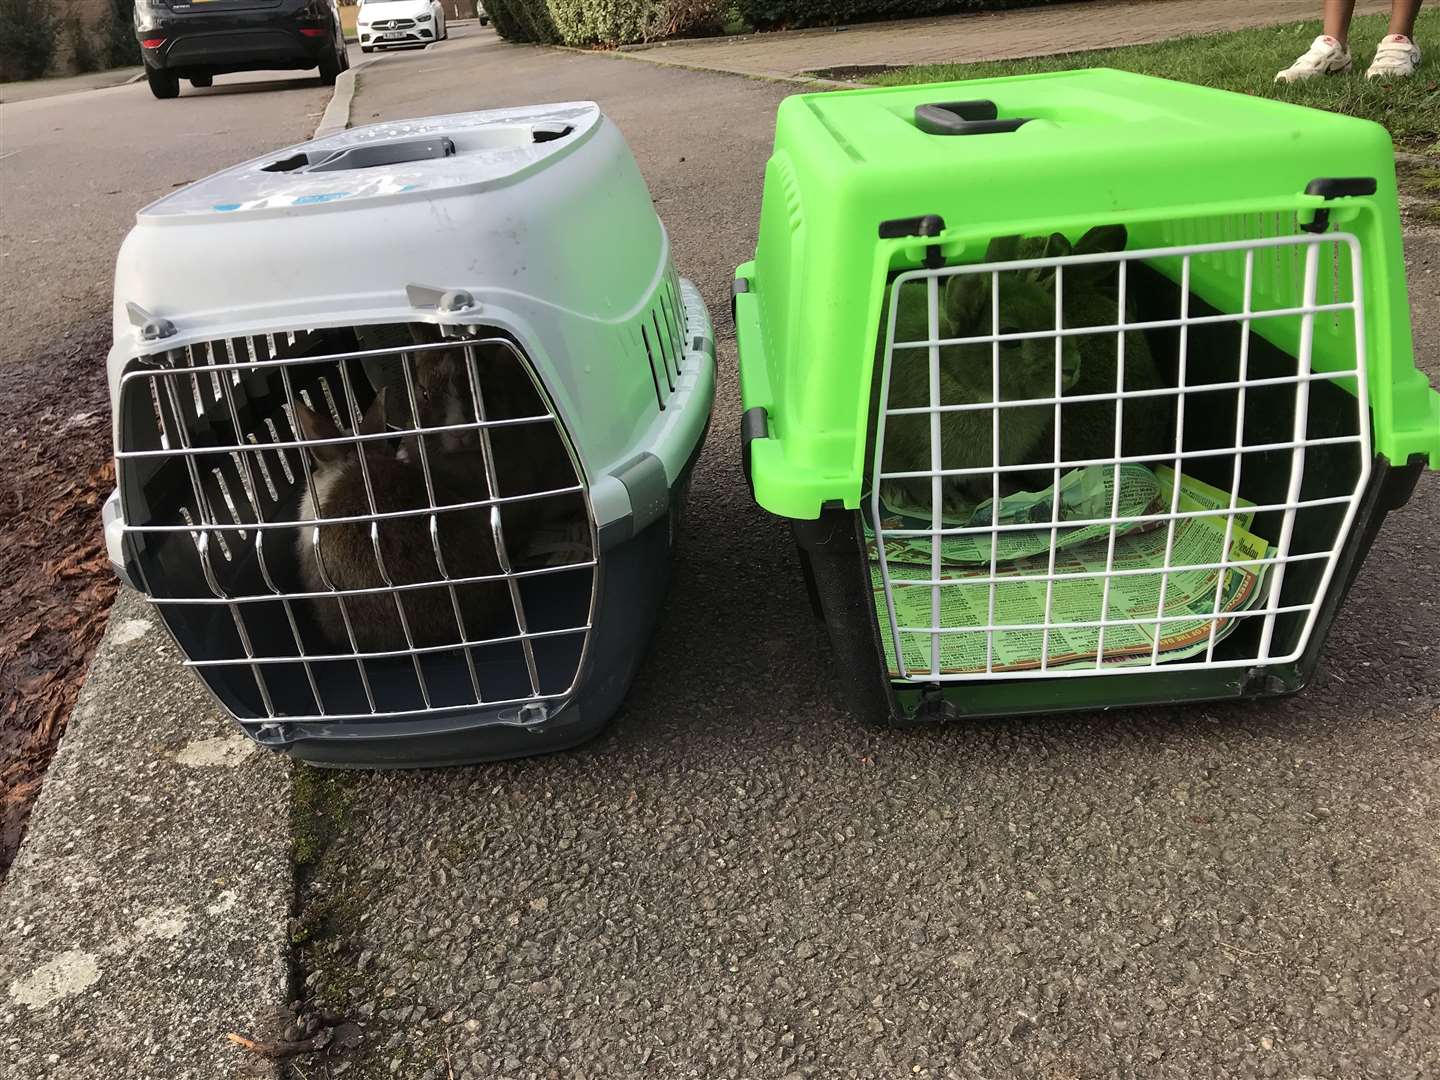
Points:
(35, 89)
(992, 35)
(739, 881)
(147, 913)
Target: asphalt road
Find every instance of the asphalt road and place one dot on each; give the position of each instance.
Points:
(739, 881)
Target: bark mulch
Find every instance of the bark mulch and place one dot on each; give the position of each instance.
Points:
(57, 581)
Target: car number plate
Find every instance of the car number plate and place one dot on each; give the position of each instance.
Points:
(394, 35)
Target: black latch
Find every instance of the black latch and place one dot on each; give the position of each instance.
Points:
(738, 286)
(1336, 187)
(755, 424)
(924, 225)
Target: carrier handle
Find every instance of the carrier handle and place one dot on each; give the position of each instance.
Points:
(366, 156)
(978, 117)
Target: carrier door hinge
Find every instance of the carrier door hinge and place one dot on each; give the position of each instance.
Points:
(924, 225)
(150, 327)
(443, 302)
(1335, 187)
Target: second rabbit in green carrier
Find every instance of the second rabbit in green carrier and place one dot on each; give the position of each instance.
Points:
(1080, 390)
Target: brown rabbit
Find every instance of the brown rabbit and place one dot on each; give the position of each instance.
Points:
(345, 556)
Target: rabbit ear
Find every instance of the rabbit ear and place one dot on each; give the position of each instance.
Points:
(1056, 245)
(373, 422)
(1102, 238)
(315, 426)
(1098, 241)
(1003, 249)
(967, 298)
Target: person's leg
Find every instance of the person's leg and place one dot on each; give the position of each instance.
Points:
(1402, 17)
(1397, 55)
(1328, 54)
(1337, 19)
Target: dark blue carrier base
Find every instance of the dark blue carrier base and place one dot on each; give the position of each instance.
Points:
(635, 575)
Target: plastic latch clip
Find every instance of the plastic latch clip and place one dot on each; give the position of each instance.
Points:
(1335, 187)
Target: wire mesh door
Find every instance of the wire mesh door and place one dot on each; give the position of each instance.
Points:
(360, 523)
(1081, 468)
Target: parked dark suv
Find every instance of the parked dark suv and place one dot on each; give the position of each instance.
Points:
(199, 39)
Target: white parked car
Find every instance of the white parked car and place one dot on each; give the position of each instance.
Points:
(482, 14)
(383, 23)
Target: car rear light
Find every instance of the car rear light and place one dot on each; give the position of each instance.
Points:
(313, 31)
(151, 42)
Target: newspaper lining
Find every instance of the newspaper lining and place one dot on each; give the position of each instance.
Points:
(1134, 596)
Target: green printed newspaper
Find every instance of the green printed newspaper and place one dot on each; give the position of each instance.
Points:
(1133, 596)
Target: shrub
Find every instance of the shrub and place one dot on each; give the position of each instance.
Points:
(83, 56)
(604, 22)
(767, 14)
(116, 31)
(27, 38)
(616, 22)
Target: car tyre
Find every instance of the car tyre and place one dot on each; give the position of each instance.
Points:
(367, 48)
(163, 84)
(330, 68)
(202, 82)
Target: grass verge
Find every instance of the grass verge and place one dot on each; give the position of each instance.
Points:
(1246, 61)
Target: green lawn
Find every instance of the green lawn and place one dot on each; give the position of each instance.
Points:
(1246, 60)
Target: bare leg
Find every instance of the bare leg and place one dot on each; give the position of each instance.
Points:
(1338, 13)
(1402, 17)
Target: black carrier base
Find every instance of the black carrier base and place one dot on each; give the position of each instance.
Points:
(837, 575)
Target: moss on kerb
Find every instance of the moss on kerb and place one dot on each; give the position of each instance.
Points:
(319, 809)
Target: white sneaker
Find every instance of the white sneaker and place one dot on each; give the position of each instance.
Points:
(1396, 56)
(1326, 56)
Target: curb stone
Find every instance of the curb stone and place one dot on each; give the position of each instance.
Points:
(337, 112)
(146, 914)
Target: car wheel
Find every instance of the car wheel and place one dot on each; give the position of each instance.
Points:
(344, 52)
(201, 82)
(367, 48)
(444, 28)
(329, 68)
(163, 84)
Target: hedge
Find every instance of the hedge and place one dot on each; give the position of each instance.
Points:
(770, 14)
(618, 22)
(603, 22)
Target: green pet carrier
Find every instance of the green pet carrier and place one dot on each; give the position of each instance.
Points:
(1081, 390)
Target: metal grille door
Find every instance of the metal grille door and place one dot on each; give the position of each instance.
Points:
(360, 523)
(1068, 483)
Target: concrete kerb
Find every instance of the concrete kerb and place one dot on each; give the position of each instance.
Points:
(146, 914)
(337, 112)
